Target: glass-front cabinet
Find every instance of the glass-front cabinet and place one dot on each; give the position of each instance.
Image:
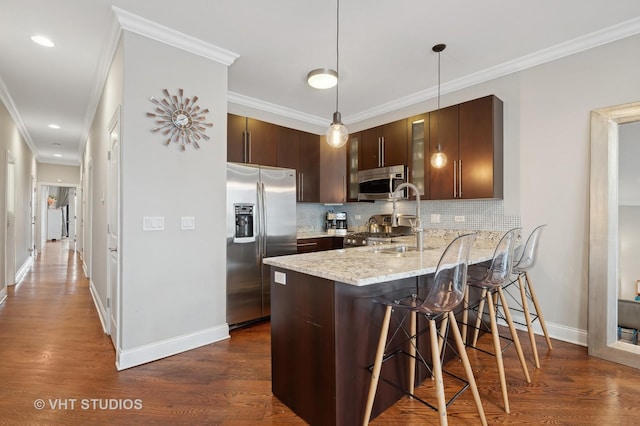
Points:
(352, 166)
(418, 152)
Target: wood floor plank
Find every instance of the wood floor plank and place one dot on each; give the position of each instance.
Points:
(52, 348)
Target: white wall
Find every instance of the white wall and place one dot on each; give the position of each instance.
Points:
(173, 281)
(94, 163)
(12, 143)
(56, 173)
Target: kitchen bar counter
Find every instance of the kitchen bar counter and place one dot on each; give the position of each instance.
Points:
(325, 327)
(374, 264)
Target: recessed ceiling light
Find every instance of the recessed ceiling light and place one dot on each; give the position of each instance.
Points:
(57, 155)
(42, 41)
(53, 126)
(322, 78)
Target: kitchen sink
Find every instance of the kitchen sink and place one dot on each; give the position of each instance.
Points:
(399, 250)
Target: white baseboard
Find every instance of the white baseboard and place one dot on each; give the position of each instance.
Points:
(102, 312)
(164, 348)
(22, 272)
(556, 331)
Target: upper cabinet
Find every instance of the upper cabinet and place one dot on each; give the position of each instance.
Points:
(333, 178)
(251, 141)
(353, 165)
(470, 134)
(418, 153)
(384, 146)
(301, 151)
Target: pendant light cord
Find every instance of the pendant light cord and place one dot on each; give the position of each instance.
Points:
(337, 51)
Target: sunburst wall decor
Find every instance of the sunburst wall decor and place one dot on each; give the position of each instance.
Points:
(180, 119)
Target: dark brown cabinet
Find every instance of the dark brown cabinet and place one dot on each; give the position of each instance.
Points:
(333, 180)
(384, 145)
(443, 135)
(471, 136)
(251, 141)
(418, 153)
(309, 245)
(353, 164)
(301, 151)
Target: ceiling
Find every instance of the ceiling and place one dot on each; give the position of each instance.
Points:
(386, 61)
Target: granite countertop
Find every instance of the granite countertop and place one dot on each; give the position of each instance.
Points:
(374, 264)
(316, 234)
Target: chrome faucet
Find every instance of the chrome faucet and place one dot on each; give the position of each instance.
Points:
(418, 225)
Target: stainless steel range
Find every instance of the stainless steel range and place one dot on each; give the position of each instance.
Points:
(380, 222)
(371, 238)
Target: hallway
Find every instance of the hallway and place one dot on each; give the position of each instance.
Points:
(57, 367)
(55, 354)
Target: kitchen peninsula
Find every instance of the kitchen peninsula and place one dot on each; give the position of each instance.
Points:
(324, 327)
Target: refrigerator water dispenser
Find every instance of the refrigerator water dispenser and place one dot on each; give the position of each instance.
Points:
(244, 223)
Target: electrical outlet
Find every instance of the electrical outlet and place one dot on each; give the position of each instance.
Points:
(358, 217)
(435, 218)
(458, 218)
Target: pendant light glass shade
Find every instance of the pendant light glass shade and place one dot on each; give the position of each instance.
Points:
(337, 134)
(438, 159)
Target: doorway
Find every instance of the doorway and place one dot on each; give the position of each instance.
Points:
(9, 241)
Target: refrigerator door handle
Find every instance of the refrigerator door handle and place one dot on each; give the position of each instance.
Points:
(258, 219)
(263, 214)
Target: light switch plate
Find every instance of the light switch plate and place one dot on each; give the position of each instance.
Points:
(458, 218)
(188, 222)
(280, 277)
(153, 223)
(435, 218)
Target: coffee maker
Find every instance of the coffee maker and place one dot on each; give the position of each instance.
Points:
(341, 223)
(330, 223)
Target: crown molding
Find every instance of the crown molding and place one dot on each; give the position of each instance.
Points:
(237, 98)
(589, 41)
(155, 31)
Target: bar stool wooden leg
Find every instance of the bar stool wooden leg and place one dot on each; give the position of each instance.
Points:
(412, 352)
(498, 352)
(465, 314)
(443, 329)
(467, 367)
(514, 334)
(537, 307)
(476, 331)
(527, 317)
(437, 373)
(377, 365)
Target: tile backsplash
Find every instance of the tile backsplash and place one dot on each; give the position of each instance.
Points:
(472, 215)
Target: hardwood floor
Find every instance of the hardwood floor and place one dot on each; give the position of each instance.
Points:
(53, 350)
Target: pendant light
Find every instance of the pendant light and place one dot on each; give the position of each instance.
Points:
(438, 159)
(337, 133)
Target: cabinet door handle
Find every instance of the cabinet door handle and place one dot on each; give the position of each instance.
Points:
(379, 152)
(307, 244)
(455, 183)
(249, 143)
(382, 151)
(244, 147)
(301, 186)
(460, 180)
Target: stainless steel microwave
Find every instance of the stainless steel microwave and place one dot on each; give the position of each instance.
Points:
(380, 183)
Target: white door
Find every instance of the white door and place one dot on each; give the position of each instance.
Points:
(32, 216)
(9, 241)
(72, 219)
(113, 226)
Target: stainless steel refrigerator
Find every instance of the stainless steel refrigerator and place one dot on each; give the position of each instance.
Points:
(261, 222)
